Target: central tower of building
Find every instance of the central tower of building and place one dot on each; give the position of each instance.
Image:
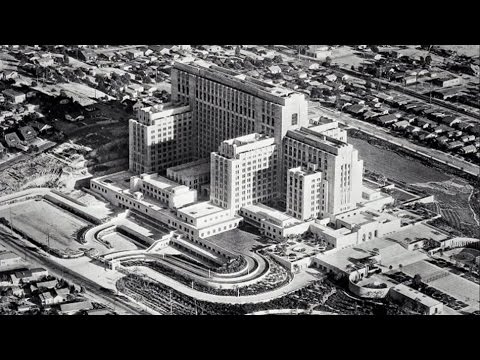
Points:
(226, 105)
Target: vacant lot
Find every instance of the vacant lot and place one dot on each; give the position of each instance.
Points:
(395, 166)
(41, 220)
(469, 50)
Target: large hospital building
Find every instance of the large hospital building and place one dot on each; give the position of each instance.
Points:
(252, 141)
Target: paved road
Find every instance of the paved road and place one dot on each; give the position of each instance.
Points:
(381, 133)
(120, 48)
(299, 281)
(93, 289)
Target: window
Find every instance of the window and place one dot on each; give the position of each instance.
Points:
(294, 119)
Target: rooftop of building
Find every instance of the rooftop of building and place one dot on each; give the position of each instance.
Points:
(200, 209)
(416, 295)
(317, 139)
(116, 181)
(344, 258)
(367, 216)
(193, 168)
(272, 214)
(158, 108)
(250, 84)
(305, 171)
(160, 182)
(246, 139)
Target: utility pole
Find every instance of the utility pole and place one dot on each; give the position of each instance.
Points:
(11, 221)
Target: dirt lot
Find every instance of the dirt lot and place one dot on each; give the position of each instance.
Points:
(40, 170)
(453, 197)
(469, 50)
(81, 93)
(41, 220)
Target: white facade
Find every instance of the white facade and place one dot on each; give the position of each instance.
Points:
(306, 192)
(162, 189)
(338, 161)
(194, 220)
(355, 227)
(273, 223)
(227, 104)
(159, 138)
(243, 172)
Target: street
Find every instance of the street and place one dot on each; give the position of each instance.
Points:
(379, 132)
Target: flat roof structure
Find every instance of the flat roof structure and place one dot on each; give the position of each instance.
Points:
(200, 209)
(160, 181)
(318, 140)
(118, 181)
(262, 89)
(193, 168)
(278, 217)
(417, 233)
(416, 295)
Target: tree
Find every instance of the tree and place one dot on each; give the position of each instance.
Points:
(428, 60)
(277, 59)
(417, 280)
(374, 48)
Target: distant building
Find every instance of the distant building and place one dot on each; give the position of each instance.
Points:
(320, 52)
(50, 284)
(447, 81)
(8, 258)
(87, 55)
(13, 141)
(14, 96)
(27, 133)
(274, 69)
(134, 53)
(8, 75)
